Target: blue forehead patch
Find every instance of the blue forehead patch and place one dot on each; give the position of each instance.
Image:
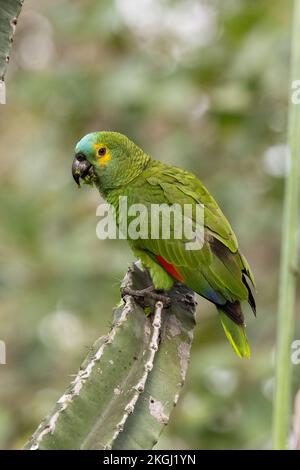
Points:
(86, 144)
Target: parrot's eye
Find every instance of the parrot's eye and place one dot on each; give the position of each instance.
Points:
(101, 151)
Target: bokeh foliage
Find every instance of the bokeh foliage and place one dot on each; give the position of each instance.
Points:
(199, 84)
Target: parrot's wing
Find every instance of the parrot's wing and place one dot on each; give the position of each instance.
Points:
(217, 265)
(182, 187)
(217, 271)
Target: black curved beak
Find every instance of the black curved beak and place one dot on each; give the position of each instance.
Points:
(81, 168)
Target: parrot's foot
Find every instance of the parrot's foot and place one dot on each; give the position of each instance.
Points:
(149, 293)
(185, 297)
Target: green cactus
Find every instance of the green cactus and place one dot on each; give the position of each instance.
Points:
(9, 12)
(126, 388)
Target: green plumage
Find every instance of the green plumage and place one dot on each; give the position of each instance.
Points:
(217, 271)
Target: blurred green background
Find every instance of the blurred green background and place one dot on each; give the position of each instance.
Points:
(198, 84)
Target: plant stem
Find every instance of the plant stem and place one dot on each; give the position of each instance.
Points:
(287, 285)
(126, 389)
(9, 12)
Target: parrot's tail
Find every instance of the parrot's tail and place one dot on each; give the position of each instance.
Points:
(235, 334)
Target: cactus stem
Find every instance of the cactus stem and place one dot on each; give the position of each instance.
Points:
(9, 12)
(140, 386)
(80, 378)
(127, 386)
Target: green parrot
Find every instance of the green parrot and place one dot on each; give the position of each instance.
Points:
(217, 271)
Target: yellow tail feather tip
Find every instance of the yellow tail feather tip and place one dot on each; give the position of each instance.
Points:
(236, 336)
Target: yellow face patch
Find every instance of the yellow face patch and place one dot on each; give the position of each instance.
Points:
(104, 157)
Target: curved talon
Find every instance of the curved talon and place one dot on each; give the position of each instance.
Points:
(147, 293)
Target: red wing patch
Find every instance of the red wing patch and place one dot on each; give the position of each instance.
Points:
(169, 268)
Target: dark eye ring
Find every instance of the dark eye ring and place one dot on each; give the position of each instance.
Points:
(101, 151)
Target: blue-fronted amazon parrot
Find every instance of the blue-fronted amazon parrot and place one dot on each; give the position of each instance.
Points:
(218, 271)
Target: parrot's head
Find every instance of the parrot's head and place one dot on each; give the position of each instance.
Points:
(107, 159)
